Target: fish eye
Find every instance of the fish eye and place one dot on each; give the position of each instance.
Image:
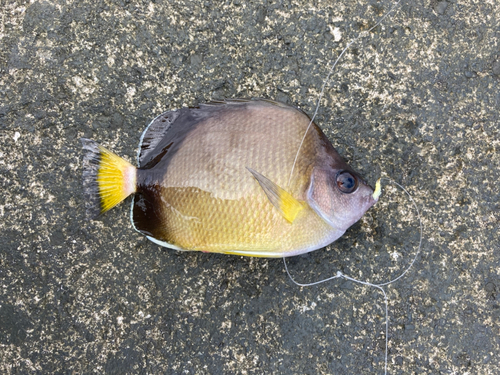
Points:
(346, 182)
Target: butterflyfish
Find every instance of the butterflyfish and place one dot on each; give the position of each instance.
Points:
(245, 177)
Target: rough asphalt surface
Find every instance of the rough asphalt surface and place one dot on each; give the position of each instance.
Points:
(416, 100)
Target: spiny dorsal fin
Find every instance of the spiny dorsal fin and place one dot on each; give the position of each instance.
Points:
(287, 205)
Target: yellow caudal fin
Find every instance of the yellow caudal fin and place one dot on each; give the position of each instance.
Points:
(107, 178)
(286, 204)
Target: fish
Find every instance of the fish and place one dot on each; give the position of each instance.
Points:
(250, 177)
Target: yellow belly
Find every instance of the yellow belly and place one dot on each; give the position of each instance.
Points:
(196, 220)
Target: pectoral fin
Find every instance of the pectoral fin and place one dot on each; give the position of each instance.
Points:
(287, 205)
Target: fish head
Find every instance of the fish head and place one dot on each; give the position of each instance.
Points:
(339, 195)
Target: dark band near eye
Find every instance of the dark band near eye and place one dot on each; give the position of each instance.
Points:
(346, 182)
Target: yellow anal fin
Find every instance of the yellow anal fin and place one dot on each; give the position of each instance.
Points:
(286, 204)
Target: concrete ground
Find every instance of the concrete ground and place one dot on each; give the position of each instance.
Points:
(416, 100)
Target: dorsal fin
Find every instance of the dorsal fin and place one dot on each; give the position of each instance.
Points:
(168, 130)
(153, 134)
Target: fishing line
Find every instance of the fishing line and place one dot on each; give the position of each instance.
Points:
(339, 274)
(378, 286)
(327, 80)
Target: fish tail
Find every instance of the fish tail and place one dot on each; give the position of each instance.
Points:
(107, 178)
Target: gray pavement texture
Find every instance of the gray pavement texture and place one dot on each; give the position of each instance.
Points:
(416, 100)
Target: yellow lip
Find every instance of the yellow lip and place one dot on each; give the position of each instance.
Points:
(378, 190)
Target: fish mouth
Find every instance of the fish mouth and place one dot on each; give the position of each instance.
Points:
(377, 191)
